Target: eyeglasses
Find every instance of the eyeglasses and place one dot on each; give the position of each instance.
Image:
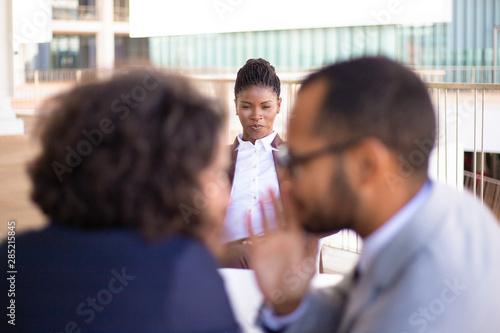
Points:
(287, 159)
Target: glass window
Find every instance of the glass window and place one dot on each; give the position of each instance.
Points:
(74, 10)
(73, 51)
(121, 10)
(131, 49)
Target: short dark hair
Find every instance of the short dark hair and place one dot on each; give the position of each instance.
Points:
(126, 153)
(377, 97)
(257, 72)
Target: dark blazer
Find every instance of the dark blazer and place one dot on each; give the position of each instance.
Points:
(234, 154)
(114, 281)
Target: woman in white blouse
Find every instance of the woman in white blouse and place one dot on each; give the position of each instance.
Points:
(253, 170)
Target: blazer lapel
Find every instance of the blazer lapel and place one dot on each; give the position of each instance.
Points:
(393, 259)
(275, 144)
(362, 292)
(234, 155)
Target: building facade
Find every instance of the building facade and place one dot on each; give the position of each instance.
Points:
(87, 34)
(463, 50)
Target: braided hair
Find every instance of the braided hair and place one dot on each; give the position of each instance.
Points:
(257, 72)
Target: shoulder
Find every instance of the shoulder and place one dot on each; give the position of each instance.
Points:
(468, 233)
(233, 145)
(453, 267)
(194, 252)
(173, 282)
(196, 285)
(277, 141)
(451, 232)
(462, 214)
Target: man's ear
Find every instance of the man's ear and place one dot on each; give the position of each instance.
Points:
(371, 158)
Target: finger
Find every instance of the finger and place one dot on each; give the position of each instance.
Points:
(280, 222)
(265, 225)
(249, 227)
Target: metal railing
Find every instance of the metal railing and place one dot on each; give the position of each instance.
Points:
(63, 75)
(486, 188)
(32, 87)
(470, 74)
(460, 110)
(468, 119)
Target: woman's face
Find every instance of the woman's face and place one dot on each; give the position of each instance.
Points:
(214, 198)
(257, 107)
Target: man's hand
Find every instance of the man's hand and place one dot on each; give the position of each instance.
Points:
(284, 259)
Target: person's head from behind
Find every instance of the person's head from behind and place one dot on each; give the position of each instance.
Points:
(257, 98)
(140, 151)
(360, 137)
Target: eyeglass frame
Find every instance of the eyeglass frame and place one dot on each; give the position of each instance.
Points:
(287, 160)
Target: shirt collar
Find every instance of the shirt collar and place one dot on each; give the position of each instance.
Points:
(264, 142)
(384, 235)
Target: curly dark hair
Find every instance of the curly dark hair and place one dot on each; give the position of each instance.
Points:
(126, 153)
(257, 72)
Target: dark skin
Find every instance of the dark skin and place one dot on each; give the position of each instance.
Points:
(257, 107)
(313, 190)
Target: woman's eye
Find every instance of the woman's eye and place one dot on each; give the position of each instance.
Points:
(266, 107)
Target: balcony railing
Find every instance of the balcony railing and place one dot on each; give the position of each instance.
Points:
(459, 74)
(462, 110)
(32, 87)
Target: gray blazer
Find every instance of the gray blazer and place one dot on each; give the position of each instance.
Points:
(441, 274)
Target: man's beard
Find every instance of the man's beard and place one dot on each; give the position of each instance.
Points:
(339, 212)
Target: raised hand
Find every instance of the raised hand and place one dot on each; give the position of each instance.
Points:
(284, 259)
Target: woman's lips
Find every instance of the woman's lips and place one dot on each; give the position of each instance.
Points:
(256, 127)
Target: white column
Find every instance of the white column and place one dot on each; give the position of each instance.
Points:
(9, 124)
(105, 39)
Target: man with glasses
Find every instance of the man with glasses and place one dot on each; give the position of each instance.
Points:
(357, 157)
